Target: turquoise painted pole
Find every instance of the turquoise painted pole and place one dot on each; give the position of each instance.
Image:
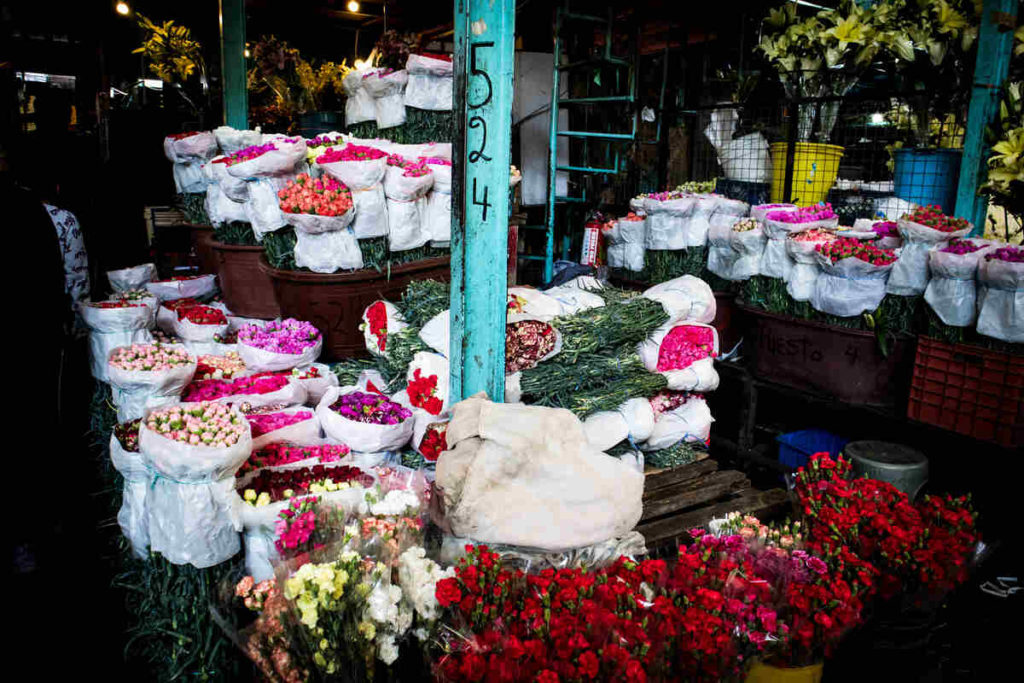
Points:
(232, 60)
(484, 65)
(995, 44)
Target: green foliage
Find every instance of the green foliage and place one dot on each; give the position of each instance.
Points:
(238, 233)
(172, 54)
(193, 205)
(348, 370)
(420, 127)
(280, 248)
(423, 299)
(610, 329)
(682, 453)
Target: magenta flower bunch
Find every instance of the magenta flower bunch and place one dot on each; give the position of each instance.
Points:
(436, 161)
(411, 169)
(885, 229)
(247, 154)
(295, 524)
(350, 153)
(280, 336)
(684, 345)
(805, 214)
(1009, 253)
(961, 247)
(269, 422)
(370, 409)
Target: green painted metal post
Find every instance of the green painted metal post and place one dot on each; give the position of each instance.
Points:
(995, 44)
(232, 60)
(549, 244)
(484, 66)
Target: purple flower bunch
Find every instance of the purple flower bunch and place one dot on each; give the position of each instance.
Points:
(280, 336)
(248, 153)
(805, 214)
(885, 229)
(961, 247)
(370, 409)
(1008, 253)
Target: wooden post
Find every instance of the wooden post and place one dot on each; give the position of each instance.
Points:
(484, 42)
(232, 60)
(995, 45)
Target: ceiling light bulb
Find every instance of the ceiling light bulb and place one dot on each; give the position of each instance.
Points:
(353, 6)
(123, 9)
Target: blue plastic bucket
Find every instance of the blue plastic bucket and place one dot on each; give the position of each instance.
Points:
(928, 176)
(796, 448)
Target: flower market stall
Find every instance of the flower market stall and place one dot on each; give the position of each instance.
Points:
(373, 430)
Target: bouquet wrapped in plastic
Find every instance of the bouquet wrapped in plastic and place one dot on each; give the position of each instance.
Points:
(406, 184)
(922, 229)
(146, 375)
(853, 277)
(266, 168)
(387, 88)
(188, 152)
(361, 169)
(430, 82)
(112, 324)
(952, 290)
(321, 211)
(1001, 301)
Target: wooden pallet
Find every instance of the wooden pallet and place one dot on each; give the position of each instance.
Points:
(680, 498)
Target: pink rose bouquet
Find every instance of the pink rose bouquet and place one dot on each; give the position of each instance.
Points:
(149, 357)
(214, 425)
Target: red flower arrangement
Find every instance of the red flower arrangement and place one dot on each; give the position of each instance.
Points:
(933, 217)
(435, 441)
(284, 484)
(849, 247)
(422, 393)
(275, 454)
(377, 316)
(212, 389)
(526, 342)
(202, 315)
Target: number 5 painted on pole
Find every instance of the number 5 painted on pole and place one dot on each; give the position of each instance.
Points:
(474, 71)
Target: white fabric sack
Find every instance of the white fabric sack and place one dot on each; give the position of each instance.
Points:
(291, 394)
(363, 179)
(952, 290)
(514, 387)
(666, 222)
(605, 429)
(575, 299)
(230, 140)
(261, 360)
(761, 211)
(394, 324)
(909, 275)
(305, 433)
(698, 376)
(690, 422)
(405, 211)
(138, 387)
(749, 247)
(359, 104)
(236, 189)
(110, 328)
(188, 156)
(192, 332)
(1001, 311)
(222, 209)
(263, 209)
(800, 283)
(131, 278)
(538, 463)
(132, 516)
(316, 387)
(721, 255)
(434, 332)
(259, 524)
(169, 290)
(695, 229)
(684, 298)
(328, 252)
(639, 417)
(626, 245)
(848, 287)
(191, 520)
(369, 438)
(430, 83)
(532, 303)
(387, 91)
(437, 221)
(431, 365)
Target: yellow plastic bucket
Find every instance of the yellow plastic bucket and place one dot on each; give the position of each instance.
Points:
(765, 673)
(815, 166)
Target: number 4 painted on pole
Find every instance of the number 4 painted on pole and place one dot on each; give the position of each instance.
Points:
(484, 203)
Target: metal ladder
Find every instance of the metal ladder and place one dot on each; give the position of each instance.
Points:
(612, 141)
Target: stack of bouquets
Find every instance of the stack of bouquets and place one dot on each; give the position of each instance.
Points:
(779, 223)
(321, 211)
(139, 296)
(226, 195)
(167, 313)
(406, 184)
(279, 345)
(144, 375)
(266, 168)
(430, 82)
(1001, 276)
(194, 450)
(853, 276)
(199, 323)
(183, 287)
(437, 220)
(119, 322)
(952, 288)
(802, 249)
(127, 460)
(361, 169)
(721, 255)
(625, 240)
(921, 229)
(132, 278)
(188, 152)
(367, 422)
(668, 215)
(387, 87)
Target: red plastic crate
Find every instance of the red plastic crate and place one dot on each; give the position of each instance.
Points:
(969, 390)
